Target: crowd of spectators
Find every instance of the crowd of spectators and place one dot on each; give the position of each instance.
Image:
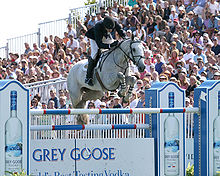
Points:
(181, 40)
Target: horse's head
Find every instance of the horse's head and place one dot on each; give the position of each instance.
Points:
(137, 53)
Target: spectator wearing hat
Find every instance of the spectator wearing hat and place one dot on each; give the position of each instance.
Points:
(199, 54)
(195, 70)
(202, 79)
(182, 13)
(179, 44)
(117, 103)
(163, 78)
(173, 27)
(190, 17)
(216, 76)
(131, 22)
(216, 46)
(23, 65)
(173, 14)
(92, 21)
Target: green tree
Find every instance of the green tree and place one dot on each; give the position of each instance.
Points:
(88, 2)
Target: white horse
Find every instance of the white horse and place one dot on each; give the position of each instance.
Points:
(111, 73)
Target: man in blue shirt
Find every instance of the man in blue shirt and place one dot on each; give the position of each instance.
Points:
(197, 22)
(159, 64)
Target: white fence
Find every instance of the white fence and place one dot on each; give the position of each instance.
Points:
(3, 52)
(43, 88)
(55, 28)
(16, 45)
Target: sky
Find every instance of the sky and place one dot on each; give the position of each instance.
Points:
(20, 17)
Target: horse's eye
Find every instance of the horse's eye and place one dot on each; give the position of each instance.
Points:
(133, 49)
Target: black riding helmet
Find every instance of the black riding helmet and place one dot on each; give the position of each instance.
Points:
(108, 22)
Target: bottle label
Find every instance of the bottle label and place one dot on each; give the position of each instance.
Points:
(171, 157)
(173, 145)
(13, 157)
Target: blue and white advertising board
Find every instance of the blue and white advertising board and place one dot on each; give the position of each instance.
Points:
(14, 133)
(167, 129)
(207, 129)
(103, 157)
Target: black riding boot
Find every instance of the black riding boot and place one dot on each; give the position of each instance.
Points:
(90, 72)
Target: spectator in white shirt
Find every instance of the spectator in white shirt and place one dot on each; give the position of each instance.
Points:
(72, 43)
(189, 55)
(71, 31)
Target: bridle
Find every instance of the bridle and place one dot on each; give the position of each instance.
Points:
(132, 58)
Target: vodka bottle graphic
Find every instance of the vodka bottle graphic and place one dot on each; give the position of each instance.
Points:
(13, 138)
(171, 142)
(216, 141)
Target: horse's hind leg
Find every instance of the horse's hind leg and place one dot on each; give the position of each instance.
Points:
(130, 80)
(78, 103)
(82, 118)
(122, 91)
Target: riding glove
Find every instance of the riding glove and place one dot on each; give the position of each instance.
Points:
(114, 43)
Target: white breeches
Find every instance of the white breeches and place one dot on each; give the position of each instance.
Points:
(94, 46)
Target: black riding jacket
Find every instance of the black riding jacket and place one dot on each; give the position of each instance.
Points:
(98, 31)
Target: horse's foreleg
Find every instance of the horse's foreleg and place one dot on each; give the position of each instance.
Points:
(122, 90)
(131, 80)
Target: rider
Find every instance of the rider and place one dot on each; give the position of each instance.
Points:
(100, 38)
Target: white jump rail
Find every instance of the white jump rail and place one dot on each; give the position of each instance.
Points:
(112, 111)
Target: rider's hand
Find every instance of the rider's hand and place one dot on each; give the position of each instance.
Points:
(114, 43)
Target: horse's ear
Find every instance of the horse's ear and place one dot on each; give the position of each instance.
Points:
(132, 37)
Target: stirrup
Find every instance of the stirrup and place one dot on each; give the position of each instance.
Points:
(89, 81)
